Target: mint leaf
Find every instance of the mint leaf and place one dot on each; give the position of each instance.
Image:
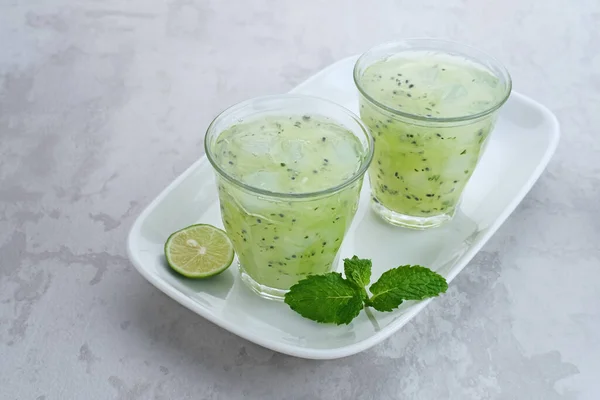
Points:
(358, 271)
(325, 298)
(405, 283)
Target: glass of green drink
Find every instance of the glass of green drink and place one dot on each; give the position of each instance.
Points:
(431, 106)
(289, 172)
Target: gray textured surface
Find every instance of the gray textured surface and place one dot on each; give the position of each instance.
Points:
(103, 103)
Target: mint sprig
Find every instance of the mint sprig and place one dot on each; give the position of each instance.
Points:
(330, 298)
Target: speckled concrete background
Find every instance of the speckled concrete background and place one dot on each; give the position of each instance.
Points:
(103, 103)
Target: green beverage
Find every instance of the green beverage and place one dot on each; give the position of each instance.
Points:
(430, 113)
(288, 184)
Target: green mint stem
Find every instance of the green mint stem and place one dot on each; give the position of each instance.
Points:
(372, 318)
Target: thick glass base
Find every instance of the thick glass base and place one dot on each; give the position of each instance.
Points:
(408, 221)
(263, 291)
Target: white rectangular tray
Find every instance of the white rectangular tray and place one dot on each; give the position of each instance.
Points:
(520, 147)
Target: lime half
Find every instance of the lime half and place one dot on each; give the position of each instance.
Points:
(199, 251)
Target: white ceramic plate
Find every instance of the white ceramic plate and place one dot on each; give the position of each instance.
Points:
(520, 147)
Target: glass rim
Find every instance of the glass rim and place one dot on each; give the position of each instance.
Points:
(319, 193)
(437, 44)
